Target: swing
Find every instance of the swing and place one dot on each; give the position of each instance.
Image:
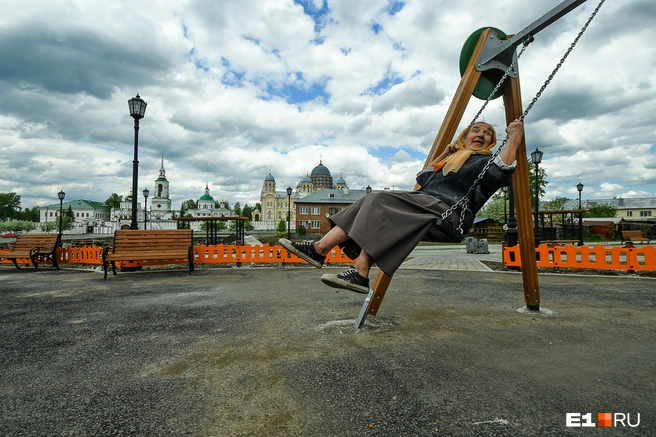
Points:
(483, 63)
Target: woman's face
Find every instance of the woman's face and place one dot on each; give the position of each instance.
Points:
(479, 137)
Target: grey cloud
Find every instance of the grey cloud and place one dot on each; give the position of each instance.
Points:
(413, 94)
(77, 61)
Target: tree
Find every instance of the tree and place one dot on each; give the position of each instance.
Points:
(301, 230)
(493, 209)
(189, 204)
(69, 212)
(236, 210)
(542, 182)
(598, 211)
(282, 226)
(9, 205)
(555, 204)
(114, 201)
(247, 211)
(31, 215)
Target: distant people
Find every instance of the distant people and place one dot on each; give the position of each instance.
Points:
(384, 227)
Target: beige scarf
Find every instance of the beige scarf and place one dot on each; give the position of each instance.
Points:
(454, 161)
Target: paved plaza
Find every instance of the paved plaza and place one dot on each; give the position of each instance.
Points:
(271, 351)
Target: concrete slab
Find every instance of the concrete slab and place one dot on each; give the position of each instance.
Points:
(272, 351)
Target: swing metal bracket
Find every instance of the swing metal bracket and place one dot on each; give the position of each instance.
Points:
(499, 54)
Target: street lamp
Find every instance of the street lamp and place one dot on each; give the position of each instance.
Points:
(536, 159)
(145, 193)
(505, 196)
(61, 196)
(137, 110)
(289, 212)
(579, 187)
(368, 189)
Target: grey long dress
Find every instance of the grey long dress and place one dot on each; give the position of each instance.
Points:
(388, 225)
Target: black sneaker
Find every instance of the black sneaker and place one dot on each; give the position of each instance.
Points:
(349, 279)
(305, 251)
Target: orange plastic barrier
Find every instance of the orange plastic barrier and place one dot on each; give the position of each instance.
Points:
(203, 254)
(586, 257)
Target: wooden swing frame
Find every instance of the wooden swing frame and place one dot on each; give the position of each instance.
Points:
(512, 100)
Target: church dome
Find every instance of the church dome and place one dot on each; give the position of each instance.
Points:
(269, 178)
(307, 179)
(341, 181)
(207, 197)
(320, 170)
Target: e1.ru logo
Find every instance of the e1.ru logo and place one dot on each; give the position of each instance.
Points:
(604, 420)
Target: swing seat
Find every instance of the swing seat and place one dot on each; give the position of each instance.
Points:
(442, 231)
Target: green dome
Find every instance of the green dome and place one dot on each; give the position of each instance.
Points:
(206, 197)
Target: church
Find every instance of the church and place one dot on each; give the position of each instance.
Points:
(275, 204)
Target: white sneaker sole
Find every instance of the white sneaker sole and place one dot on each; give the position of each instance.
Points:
(288, 245)
(335, 282)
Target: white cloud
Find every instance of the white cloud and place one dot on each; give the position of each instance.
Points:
(230, 86)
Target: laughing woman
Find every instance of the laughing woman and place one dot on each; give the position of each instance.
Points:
(383, 228)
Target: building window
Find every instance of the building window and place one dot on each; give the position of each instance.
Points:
(315, 224)
(645, 213)
(301, 210)
(332, 210)
(269, 204)
(331, 195)
(629, 213)
(316, 210)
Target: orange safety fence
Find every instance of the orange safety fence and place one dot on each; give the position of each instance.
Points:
(203, 254)
(597, 257)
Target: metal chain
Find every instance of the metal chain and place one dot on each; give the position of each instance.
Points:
(562, 60)
(503, 78)
(464, 201)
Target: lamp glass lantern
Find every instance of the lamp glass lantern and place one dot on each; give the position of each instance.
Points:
(137, 107)
(368, 189)
(579, 188)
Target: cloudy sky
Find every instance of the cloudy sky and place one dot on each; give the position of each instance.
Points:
(240, 88)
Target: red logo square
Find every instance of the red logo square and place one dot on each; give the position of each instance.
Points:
(604, 420)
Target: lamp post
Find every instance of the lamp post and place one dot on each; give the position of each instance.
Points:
(137, 111)
(579, 187)
(536, 159)
(505, 196)
(368, 189)
(61, 196)
(145, 194)
(289, 212)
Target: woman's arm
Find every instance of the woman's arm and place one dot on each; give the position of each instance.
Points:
(447, 151)
(515, 132)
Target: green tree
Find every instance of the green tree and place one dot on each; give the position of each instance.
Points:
(31, 215)
(236, 210)
(69, 212)
(555, 204)
(493, 209)
(9, 205)
(248, 225)
(542, 182)
(302, 230)
(598, 211)
(114, 201)
(247, 211)
(282, 226)
(17, 226)
(189, 204)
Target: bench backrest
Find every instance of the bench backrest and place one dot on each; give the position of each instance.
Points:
(137, 240)
(45, 242)
(632, 234)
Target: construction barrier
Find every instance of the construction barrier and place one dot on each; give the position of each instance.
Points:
(203, 254)
(597, 257)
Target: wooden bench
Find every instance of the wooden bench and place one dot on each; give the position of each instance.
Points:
(634, 236)
(35, 247)
(552, 243)
(175, 246)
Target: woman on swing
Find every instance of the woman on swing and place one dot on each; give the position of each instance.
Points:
(384, 227)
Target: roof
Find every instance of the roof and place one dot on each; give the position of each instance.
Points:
(206, 197)
(84, 204)
(269, 178)
(332, 195)
(320, 170)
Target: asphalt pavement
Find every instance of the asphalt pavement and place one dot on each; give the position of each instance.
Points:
(271, 351)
